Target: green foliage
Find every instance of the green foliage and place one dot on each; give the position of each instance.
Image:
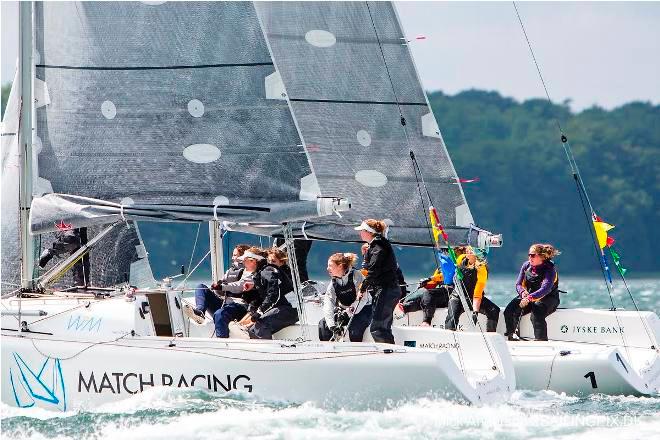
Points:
(526, 191)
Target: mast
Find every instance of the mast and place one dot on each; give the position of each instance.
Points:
(217, 256)
(25, 146)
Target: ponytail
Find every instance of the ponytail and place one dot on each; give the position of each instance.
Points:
(346, 260)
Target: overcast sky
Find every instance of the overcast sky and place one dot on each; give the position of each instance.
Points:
(589, 52)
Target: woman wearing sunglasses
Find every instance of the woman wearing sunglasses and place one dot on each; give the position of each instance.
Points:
(538, 291)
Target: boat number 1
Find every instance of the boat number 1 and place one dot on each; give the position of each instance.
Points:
(591, 375)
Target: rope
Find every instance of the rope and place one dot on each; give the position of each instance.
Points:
(458, 281)
(194, 248)
(79, 352)
(194, 269)
(324, 354)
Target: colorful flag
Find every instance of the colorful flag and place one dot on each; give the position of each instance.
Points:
(617, 262)
(601, 232)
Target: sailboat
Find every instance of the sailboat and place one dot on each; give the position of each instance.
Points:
(588, 350)
(285, 119)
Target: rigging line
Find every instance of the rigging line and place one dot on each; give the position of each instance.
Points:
(194, 269)
(601, 262)
(573, 163)
(460, 287)
(644, 323)
(594, 241)
(387, 70)
(429, 228)
(192, 255)
(81, 351)
(538, 69)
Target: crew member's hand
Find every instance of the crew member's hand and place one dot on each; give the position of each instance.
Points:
(246, 321)
(248, 285)
(524, 302)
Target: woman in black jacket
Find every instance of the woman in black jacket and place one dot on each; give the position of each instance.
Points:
(381, 279)
(268, 309)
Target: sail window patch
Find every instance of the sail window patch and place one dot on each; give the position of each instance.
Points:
(320, 38)
(220, 200)
(364, 138)
(108, 109)
(201, 153)
(195, 108)
(371, 178)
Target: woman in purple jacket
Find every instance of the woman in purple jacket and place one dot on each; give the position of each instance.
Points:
(538, 292)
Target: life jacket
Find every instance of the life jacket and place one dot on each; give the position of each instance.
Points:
(346, 294)
(234, 273)
(533, 279)
(469, 276)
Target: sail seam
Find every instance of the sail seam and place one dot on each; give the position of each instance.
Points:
(344, 101)
(183, 66)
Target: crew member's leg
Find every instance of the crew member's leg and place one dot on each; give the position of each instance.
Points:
(492, 312)
(226, 314)
(454, 311)
(385, 299)
(273, 321)
(359, 324)
(540, 310)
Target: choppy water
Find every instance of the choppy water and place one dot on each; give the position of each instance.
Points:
(196, 414)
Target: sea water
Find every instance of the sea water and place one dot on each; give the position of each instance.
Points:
(197, 414)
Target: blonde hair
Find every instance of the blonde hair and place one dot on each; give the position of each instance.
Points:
(346, 260)
(544, 250)
(478, 262)
(377, 225)
(459, 250)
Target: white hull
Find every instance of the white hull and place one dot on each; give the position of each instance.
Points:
(115, 336)
(586, 352)
(61, 373)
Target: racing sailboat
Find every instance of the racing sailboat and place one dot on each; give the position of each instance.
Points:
(239, 114)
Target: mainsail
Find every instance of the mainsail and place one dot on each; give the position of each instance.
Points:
(265, 113)
(350, 79)
(159, 112)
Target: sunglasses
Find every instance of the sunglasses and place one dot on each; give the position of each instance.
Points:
(532, 255)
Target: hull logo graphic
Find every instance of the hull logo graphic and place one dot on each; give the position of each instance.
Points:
(45, 383)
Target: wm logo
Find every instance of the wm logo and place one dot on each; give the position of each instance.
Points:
(78, 323)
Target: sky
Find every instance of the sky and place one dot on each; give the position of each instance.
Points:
(593, 53)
